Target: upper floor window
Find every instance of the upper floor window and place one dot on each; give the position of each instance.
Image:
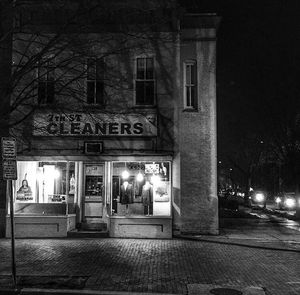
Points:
(144, 83)
(95, 81)
(190, 85)
(46, 81)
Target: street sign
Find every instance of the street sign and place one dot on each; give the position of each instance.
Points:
(9, 158)
(9, 148)
(9, 169)
(9, 172)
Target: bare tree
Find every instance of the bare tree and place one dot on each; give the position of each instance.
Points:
(65, 49)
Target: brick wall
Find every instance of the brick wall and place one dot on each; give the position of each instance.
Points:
(197, 144)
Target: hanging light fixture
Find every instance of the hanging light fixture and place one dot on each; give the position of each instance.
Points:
(125, 173)
(140, 176)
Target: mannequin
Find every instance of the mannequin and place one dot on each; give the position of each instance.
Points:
(147, 198)
(72, 184)
(126, 195)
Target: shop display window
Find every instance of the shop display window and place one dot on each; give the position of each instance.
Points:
(45, 182)
(141, 188)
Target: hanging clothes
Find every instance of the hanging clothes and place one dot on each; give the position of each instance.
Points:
(147, 194)
(126, 193)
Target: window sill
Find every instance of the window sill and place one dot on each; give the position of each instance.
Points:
(141, 217)
(150, 106)
(190, 110)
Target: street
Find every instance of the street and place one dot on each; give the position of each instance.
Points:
(262, 251)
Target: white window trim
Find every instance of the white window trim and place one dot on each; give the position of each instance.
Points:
(185, 99)
(135, 79)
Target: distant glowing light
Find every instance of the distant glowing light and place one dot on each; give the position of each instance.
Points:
(290, 203)
(259, 197)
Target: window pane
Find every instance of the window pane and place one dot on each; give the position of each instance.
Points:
(149, 92)
(42, 71)
(187, 96)
(99, 92)
(50, 73)
(50, 92)
(42, 92)
(140, 96)
(91, 69)
(149, 68)
(100, 68)
(193, 97)
(193, 74)
(90, 92)
(188, 75)
(140, 63)
(145, 191)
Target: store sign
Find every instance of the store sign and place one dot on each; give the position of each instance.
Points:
(9, 158)
(100, 124)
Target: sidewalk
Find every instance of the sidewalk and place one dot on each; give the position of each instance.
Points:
(253, 259)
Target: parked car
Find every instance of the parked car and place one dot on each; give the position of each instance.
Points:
(287, 201)
(258, 198)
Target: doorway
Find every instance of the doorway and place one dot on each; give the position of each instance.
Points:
(93, 193)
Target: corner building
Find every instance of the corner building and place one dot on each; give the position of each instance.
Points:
(119, 131)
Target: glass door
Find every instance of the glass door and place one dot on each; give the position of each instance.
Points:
(93, 192)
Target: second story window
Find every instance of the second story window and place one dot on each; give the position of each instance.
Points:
(190, 85)
(95, 81)
(144, 83)
(46, 81)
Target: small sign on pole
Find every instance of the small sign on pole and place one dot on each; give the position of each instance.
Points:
(9, 173)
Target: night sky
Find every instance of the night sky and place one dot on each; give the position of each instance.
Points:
(257, 64)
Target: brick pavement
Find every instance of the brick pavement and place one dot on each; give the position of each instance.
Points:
(169, 266)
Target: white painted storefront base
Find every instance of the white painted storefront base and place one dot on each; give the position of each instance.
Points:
(141, 227)
(41, 226)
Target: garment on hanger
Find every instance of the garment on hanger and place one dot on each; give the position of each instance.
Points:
(126, 193)
(147, 194)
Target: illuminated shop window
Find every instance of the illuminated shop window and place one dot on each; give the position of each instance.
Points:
(95, 81)
(46, 81)
(141, 189)
(46, 182)
(190, 85)
(144, 82)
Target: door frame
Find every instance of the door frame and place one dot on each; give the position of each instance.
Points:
(83, 201)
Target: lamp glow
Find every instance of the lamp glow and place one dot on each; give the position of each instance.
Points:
(140, 177)
(125, 174)
(259, 197)
(290, 203)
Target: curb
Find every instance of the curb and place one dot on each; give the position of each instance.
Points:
(38, 291)
(207, 240)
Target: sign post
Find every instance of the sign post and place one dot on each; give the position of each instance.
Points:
(9, 172)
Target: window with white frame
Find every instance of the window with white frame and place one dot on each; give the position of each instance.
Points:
(145, 82)
(95, 81)
(190, 84)
(46, 81)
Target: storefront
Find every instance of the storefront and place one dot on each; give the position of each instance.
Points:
(119, 140)
(126, 198)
